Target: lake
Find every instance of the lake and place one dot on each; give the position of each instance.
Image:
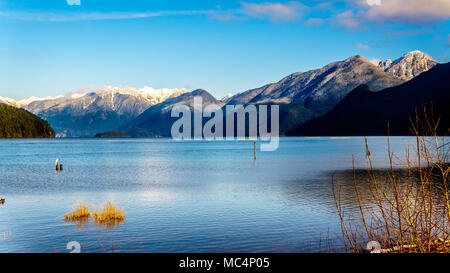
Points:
(179, 196)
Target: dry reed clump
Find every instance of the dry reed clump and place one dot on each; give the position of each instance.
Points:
(109, 216)
(407, 213)
(109, 213)
(81, 211)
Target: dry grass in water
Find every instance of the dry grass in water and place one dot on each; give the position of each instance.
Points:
(81, 211)
(403, 213)
(109, 216)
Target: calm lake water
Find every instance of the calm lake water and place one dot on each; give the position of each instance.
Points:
(189, 196)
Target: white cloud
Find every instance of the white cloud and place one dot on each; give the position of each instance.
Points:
(373, 2)
(314, 22)
(73, 2)
(89, 16)
(223, 15)
(362, 46)
(414, 11)
(284, 12)
(409, 32)
(347, 19)
(289, 11)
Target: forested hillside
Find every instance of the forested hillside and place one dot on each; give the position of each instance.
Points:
(19, 123)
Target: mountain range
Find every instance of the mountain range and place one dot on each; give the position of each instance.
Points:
(103, 109)
(324, 86)
(301, 96)
(156, 121)
(367, 112)
(145, 112)
(305, 95)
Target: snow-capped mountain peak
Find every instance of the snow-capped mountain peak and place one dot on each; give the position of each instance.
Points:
(409, 65)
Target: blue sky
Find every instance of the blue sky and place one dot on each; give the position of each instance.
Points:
(51, 47)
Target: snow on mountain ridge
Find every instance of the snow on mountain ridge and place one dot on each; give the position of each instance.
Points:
(409, 65)
(7, 101)
(24, 102)
(147, 93)
(88, 111)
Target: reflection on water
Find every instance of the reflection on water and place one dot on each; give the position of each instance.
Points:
(79, 222)
(180, 196)
(110, 223)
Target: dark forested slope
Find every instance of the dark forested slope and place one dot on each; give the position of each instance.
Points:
(19, 123)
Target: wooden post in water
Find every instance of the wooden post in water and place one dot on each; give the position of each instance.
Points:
(56, 165)
(254, 149)
(61, 167)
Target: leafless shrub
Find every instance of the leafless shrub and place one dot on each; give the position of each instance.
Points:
(408, 212)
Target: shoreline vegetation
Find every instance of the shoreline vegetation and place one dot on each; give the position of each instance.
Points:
(405, 208)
